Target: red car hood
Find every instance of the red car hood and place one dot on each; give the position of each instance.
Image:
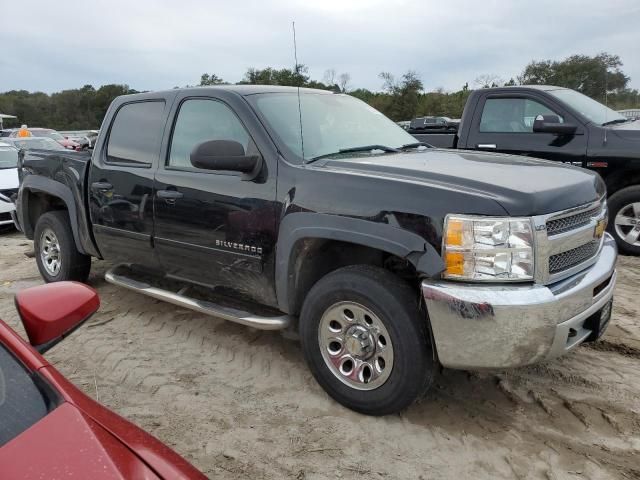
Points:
(68, 444)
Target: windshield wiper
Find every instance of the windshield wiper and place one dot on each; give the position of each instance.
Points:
(364, 148)
(416, 145)
(617, 120)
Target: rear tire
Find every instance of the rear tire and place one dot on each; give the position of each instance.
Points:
(365, 340)
(55, 249)
(624, 219)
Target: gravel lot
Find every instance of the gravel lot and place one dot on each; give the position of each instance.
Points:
(239, 403)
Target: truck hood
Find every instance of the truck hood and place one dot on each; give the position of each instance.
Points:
(628, 131)
(521, 185)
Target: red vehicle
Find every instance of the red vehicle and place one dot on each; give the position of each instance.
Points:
(49, 133)
(50, 429)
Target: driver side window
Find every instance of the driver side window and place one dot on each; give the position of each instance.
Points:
(200, 120)
(512, 115)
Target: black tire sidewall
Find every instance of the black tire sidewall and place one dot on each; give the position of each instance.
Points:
(73, 264)
(615, 203)
(396, 307)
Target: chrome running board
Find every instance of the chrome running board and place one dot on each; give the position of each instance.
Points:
(201, 306)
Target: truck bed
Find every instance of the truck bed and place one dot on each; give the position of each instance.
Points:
(440, 140)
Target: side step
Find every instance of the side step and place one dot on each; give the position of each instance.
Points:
(202, 306)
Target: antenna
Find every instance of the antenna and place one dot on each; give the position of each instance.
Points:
(295, 56)
(606, 102)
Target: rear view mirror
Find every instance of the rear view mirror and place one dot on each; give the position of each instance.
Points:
(224, 155)
(552, 124)
(51, 312)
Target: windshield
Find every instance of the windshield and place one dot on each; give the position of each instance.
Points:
(330, 123)
(8, 158)
(594, 111)
(48, 133)
(43, 143)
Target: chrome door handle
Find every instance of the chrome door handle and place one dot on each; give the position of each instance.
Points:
(169, 196)
(493, 146)
(101, 186)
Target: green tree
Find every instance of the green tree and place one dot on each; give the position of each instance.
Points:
(403, 95)
(213, 79)
(596, 77)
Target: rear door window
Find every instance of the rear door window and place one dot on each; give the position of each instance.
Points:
(136, 134)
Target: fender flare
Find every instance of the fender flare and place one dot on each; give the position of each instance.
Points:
(35, 183)
(381, 236)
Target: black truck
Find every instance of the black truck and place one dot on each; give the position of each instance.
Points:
(563, 125)
(309, 211)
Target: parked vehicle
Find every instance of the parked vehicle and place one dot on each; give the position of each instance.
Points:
(433, 124)
(8, 184)
(50, 429)
(85, 138)
(331, 227)
(562, 125)
(33, 143)
(48, 133)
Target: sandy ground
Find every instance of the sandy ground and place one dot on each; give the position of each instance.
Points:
(239, 403)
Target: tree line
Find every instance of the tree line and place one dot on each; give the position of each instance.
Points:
(600, 77)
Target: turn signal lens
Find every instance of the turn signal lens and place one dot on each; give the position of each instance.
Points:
(454, 263)
(454, 233)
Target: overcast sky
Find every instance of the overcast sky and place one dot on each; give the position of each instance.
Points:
(151, 45)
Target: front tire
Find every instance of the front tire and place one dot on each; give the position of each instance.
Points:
(624, 219)
(365, 340)
(55, 249)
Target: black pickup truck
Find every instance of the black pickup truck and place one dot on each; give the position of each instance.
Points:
(563, 125)
(311, 211)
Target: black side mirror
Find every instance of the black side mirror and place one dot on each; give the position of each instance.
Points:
(224, 155)
(551, 124)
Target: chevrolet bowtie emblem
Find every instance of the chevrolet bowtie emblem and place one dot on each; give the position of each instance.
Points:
(601, 226)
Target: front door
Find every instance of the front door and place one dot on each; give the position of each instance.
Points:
(505, 124)
(121, 182)
(215, 227)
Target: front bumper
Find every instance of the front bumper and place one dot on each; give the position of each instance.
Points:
(496, 326)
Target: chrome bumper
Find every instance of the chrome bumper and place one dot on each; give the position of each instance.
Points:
(491, 326)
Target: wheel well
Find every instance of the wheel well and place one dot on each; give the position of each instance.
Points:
(39, 203)
(313, 258)
(621, 179)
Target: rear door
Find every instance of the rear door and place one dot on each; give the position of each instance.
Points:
(214, 227)
(121, 180)
(504, 123)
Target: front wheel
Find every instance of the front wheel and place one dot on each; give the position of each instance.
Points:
(624, 219)
(365, 340)
(55, 249)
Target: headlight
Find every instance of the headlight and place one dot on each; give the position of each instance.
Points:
(488, 249)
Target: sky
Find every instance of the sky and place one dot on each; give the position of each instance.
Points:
(152, 45)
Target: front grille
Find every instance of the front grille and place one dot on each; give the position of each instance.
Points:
(5, 216)
(565, 224)
(575, 256)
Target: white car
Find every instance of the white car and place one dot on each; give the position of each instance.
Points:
(9, 183)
